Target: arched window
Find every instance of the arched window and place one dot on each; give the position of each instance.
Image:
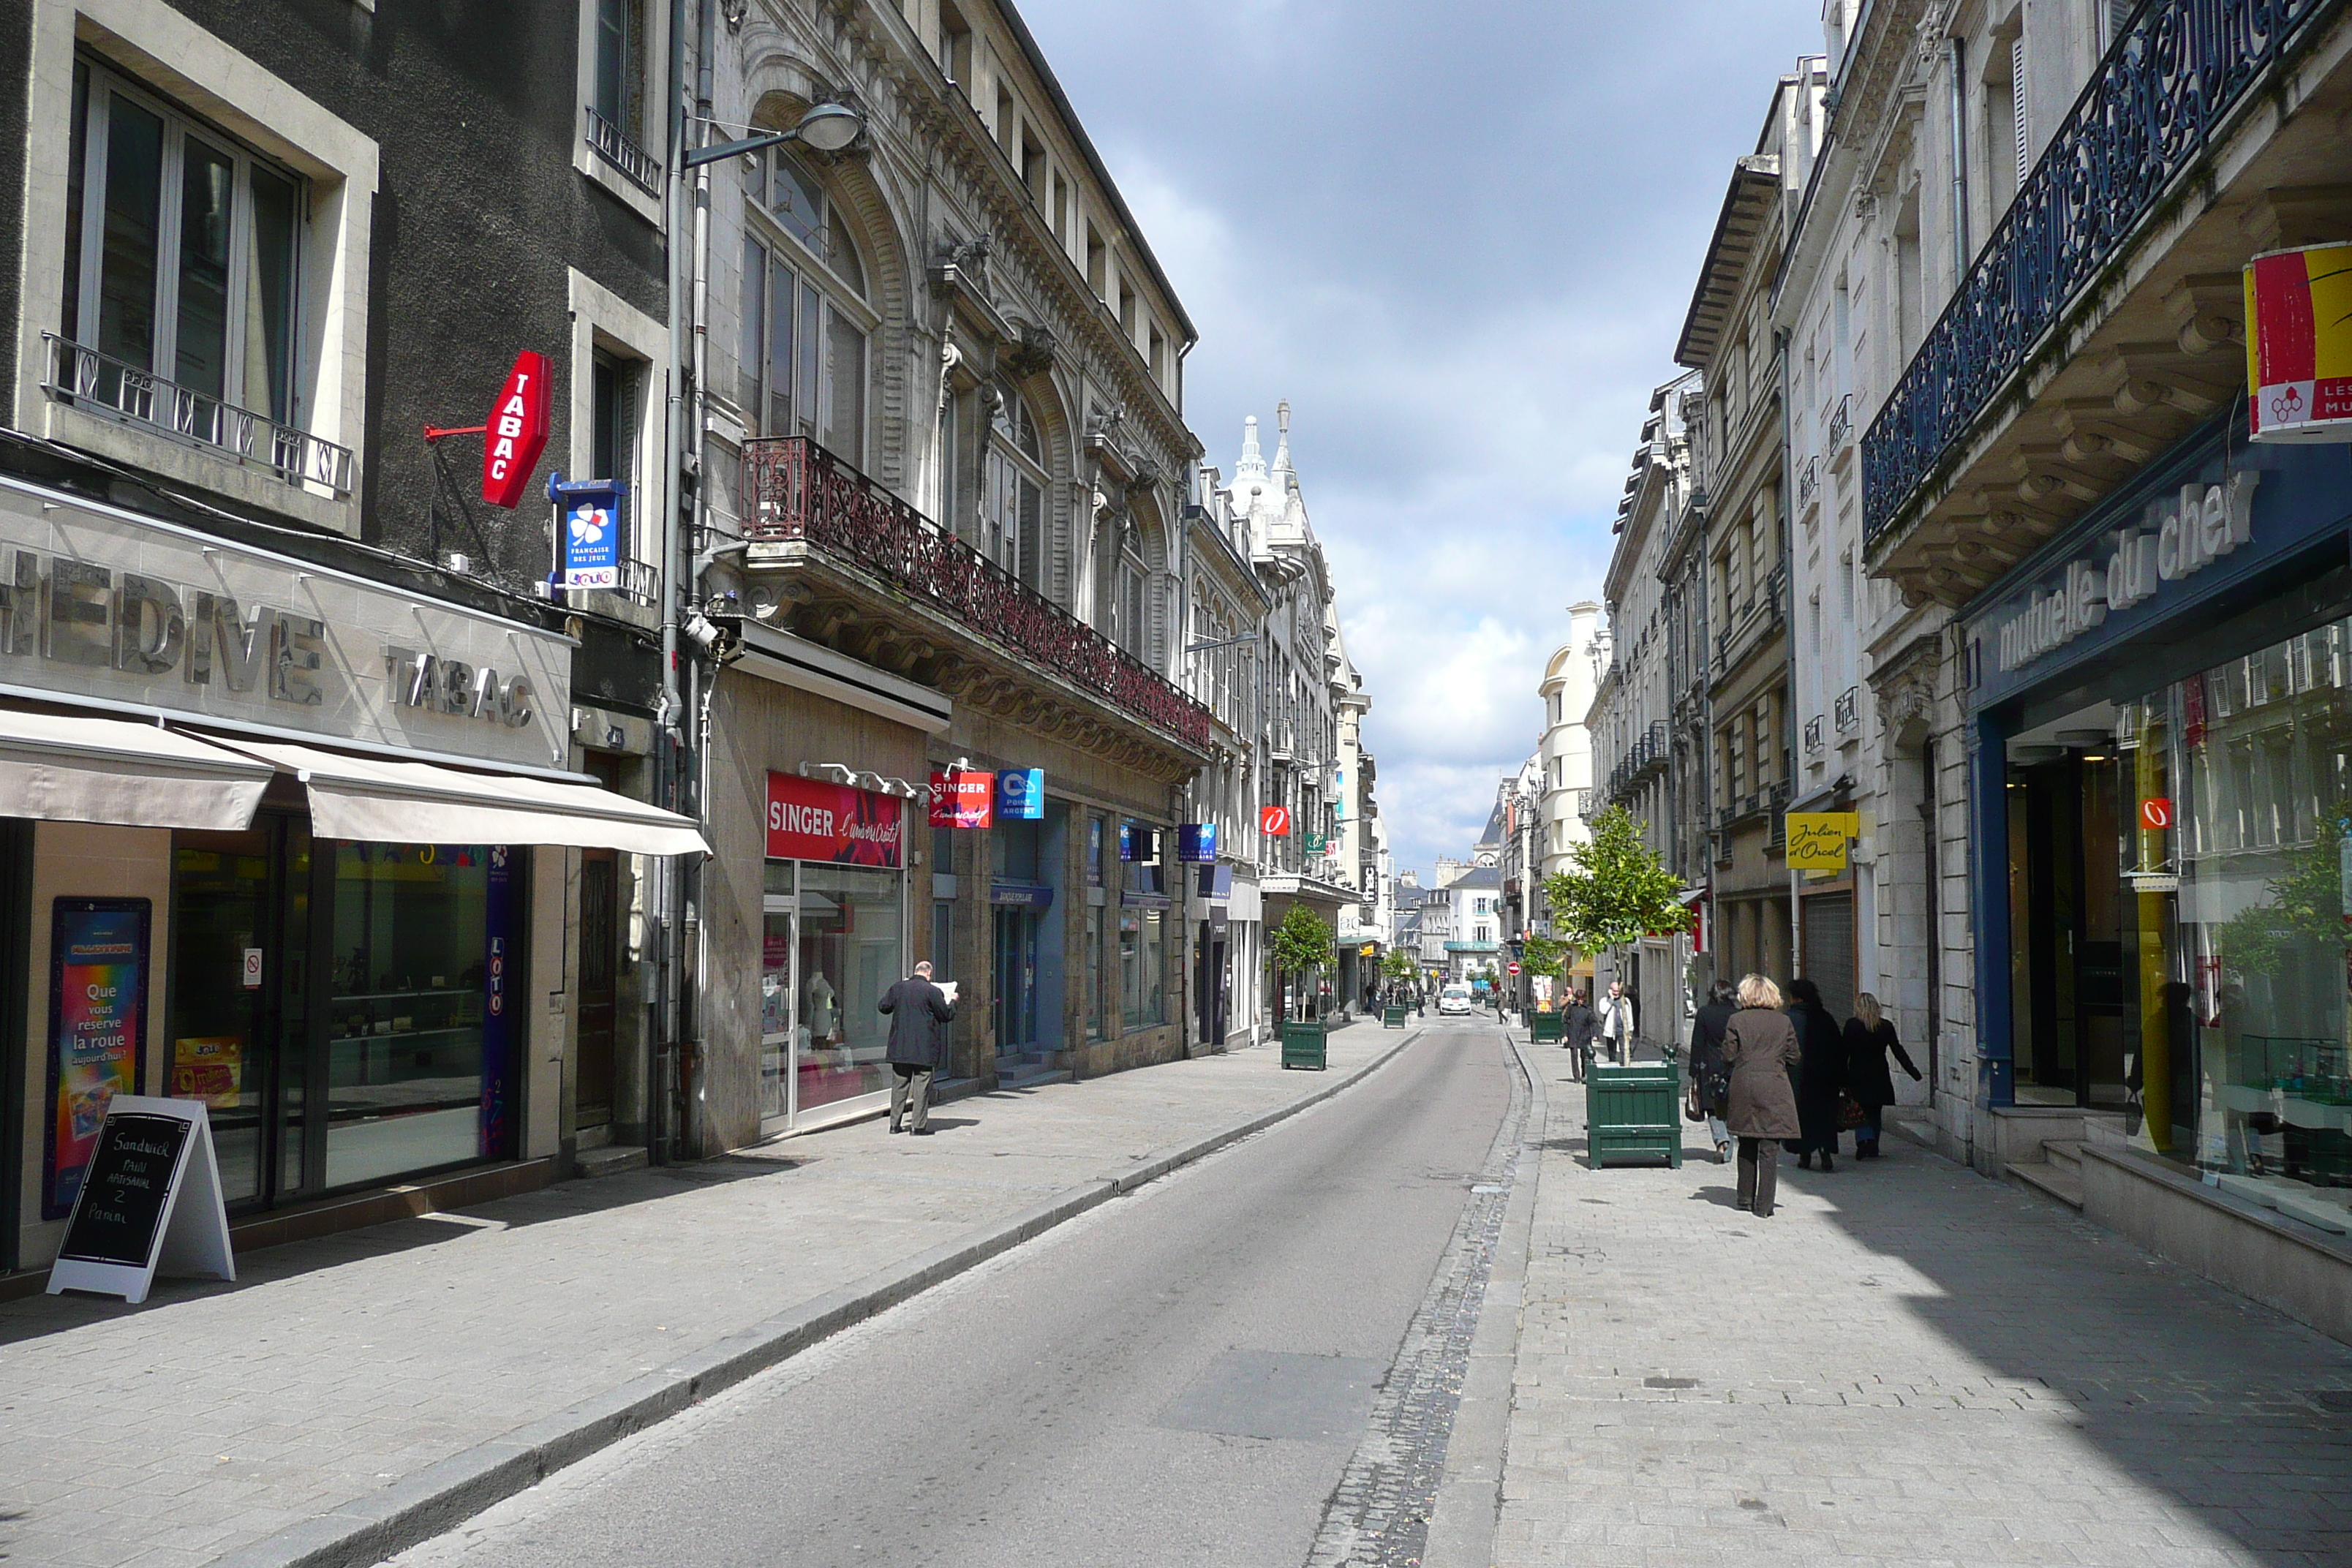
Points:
(805, 321)
(1127, 597)
(1013, 492)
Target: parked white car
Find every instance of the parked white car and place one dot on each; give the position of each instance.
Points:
(1454, 998)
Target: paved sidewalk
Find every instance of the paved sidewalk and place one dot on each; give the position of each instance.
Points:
(1906, 1365)
(350, 1368)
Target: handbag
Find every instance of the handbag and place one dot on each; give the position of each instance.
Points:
(1850, 1113)
(1691, 1111)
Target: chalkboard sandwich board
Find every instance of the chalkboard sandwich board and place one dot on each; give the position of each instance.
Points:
(150, 1202)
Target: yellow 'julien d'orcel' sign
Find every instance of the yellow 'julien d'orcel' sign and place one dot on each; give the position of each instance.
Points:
(1817, 839)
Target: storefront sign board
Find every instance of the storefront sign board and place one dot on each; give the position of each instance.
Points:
(1138, 842)
(1021, 895)
(1021, 794)
(141, 616)
(150, 1203)
(1817, 839)
(1274, 821)
(518, 430)
(809, 819)
(2299, 344)
(98, 1019)
(963, 799)
(1196, 842)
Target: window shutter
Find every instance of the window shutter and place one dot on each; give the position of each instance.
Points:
(2017, 101)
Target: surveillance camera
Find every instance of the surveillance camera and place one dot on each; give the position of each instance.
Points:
(704, 633)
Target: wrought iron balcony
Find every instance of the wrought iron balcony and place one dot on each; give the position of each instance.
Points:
(1814, 736)
(1809, 481)
(793, 489)
(1841, 427)
(2178, 71)
(612, 145)
(1848, 711)
(101, 385)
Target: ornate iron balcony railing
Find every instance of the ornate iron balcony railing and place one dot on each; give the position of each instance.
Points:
(795, 489)
(1813, 735)
(1849, 711)
(1809, 479)
(614, 145)
(2177, 70)
(1841, 423)
(100, 383)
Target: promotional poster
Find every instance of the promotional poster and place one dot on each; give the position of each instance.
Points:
(98, 1012)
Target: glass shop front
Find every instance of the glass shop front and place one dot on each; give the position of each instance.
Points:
(834, 939)
(2164, 789)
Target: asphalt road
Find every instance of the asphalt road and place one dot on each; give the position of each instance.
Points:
(1178, 1378)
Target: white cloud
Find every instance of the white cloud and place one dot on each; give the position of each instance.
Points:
(1467, 315)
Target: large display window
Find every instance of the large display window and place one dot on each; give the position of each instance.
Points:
(833, 940)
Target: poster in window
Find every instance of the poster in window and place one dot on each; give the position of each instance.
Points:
(98, 1014)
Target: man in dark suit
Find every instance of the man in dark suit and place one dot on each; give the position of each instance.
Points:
(918, 1011)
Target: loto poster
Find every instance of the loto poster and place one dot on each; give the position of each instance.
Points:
(98, 1015)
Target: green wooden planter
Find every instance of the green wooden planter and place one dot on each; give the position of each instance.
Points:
(1634, 1113)
(1303, 1043)
(1549, 1027)
(1391, 1018)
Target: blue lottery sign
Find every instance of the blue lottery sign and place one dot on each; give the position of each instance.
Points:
(589, 517)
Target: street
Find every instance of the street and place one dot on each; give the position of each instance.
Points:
(1181, 1378)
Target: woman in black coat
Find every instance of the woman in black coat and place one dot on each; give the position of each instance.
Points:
(1868, 1037)
(1576, 1033)
(1821, 1044)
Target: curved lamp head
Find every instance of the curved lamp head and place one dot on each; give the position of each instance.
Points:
(829, 127)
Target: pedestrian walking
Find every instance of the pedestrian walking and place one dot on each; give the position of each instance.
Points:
(1820, 1076)
(1615, 1027)
(1577, 1030)
(1710, 1080)
(918, 1011)
(1869, 1035)
(1761, 1054)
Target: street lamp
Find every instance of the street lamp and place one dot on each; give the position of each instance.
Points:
(827, 128)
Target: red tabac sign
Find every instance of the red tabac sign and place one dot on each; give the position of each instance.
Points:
(811, 820)
(518, 430)
(965, 799)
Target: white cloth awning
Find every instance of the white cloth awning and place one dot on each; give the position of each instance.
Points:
(69, 768)
(380, 800)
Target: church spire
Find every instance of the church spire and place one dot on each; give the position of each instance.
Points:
(1252, 463)
(1282, 423)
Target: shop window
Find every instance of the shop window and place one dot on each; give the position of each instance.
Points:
(802, 360)
(422, 1070)
(849, 954)
(182, 257)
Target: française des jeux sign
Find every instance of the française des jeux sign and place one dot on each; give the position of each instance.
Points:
(109, 608)
(812, 820)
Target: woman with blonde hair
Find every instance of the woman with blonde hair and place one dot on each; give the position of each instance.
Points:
(1760, 1048)
(1869, 1035)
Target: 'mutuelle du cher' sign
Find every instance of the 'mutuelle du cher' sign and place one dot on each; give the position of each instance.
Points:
(150, 1202)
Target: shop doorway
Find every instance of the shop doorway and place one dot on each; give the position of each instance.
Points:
(1016, 992)
(1829, 950)
(1212, 984)
(2071, 926)
(600, 902)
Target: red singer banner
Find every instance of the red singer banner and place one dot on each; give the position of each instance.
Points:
(517, 431)
(812, 820)
(965, 799)
(1274, 821)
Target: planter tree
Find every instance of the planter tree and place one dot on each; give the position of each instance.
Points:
(1301, 945)
(1615, 891)
(1544, 958)
(1399, 969)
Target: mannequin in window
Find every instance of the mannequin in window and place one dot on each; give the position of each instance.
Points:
(824, 1017)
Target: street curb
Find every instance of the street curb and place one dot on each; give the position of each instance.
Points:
(1469, 1506)
(439, 1497)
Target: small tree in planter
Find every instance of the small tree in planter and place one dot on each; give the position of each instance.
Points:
(1543, 959)
(1616, 893)
(1301, 945)
(1399, 969)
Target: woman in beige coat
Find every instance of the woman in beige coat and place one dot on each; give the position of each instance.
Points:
(1759, 1047)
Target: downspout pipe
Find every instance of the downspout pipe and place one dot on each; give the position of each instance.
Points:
(660, 1039)
(1961, 249)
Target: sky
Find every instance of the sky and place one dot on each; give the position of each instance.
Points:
(1461, 240)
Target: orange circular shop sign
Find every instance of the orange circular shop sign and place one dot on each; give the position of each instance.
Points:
(2156, 814)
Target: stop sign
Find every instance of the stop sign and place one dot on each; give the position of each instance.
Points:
(1515, 969)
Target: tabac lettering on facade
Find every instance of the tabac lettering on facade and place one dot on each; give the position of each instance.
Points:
(2207, 522)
